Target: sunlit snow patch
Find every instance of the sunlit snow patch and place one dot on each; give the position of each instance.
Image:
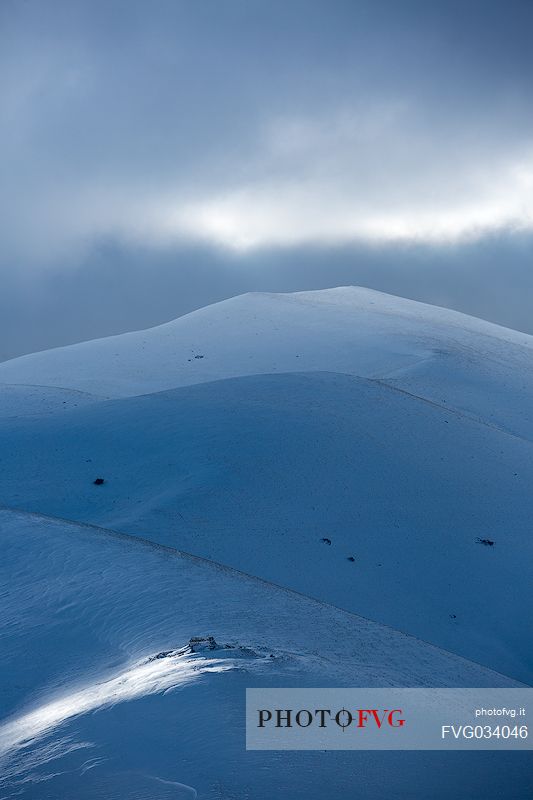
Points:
(158, 673)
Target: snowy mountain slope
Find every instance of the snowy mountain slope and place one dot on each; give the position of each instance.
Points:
(19, 400)
(288, 477)
(448, 357)
(84, 613)
(362, 449)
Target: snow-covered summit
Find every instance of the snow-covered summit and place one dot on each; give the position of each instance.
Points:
(440, 355)
(259, 326)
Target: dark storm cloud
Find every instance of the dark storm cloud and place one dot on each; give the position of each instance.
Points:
(217, 147)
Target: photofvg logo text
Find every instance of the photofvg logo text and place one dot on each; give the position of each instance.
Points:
(343, 718)
(388, 719)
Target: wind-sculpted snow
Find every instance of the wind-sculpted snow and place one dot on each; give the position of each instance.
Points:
(92, 621)
(143, 678)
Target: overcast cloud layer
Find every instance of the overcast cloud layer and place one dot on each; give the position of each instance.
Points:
(158, 155)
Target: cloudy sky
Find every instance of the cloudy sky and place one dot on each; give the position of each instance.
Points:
(159, 155)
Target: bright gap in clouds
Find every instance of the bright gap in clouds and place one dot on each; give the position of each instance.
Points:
(370, 177)
(288, 215)
(370, 173)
